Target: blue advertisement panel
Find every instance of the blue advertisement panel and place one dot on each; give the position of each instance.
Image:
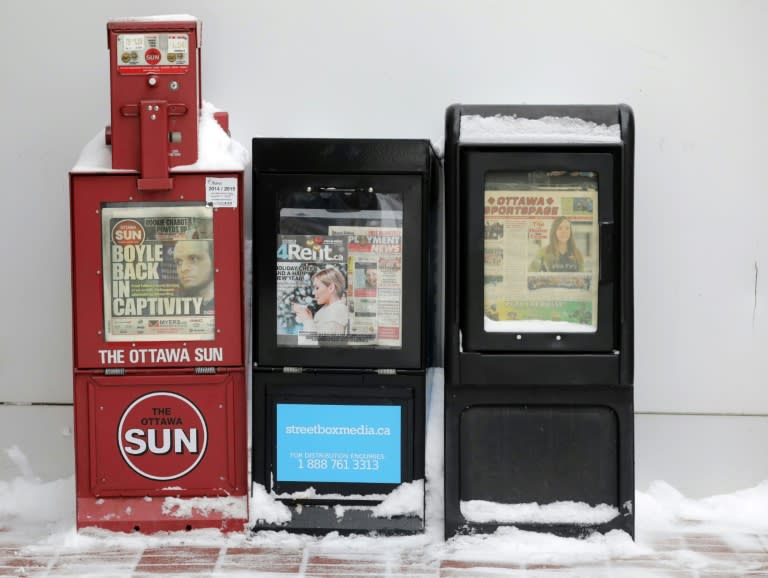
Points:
(339, 443)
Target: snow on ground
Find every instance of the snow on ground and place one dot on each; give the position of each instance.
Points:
(41, 514)
(663, 507)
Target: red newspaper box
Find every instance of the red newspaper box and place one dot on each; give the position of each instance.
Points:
(157, 292)
(160, 450)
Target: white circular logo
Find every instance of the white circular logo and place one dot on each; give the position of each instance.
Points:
(162, 436)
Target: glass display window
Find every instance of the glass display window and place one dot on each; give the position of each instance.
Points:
(537, 245)
(541, 239)
(158, 272)
(339, 265)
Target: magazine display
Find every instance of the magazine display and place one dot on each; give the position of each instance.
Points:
(343, 289)
(158, 273)
(540, 257)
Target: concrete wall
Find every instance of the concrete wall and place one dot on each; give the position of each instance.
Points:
(694, 72)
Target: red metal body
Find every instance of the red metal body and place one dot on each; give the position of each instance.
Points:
(154, 64)
(157, 293)
(151, 444)
(89, 194)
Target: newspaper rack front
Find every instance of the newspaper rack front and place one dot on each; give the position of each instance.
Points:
(539, 317)
(343, 263)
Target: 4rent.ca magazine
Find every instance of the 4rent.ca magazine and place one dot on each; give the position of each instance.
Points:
(343, 289)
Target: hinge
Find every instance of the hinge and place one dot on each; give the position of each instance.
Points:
(293, 370)
(205, 370)
(386, 371)
(114, 371)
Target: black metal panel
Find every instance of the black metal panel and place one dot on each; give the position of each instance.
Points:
(434, 293)
(532, 453)
(540, 444)
(453, 263)
(499, 352)
(403, 167)
(474, 167)
(338, 388)
(355, 156)
(319, 520)
(626, 250)
(345, 388)
(479, 370)
(552, 420)
(286, 372)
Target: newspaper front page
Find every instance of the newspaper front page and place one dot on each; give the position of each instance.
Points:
(541, 254)
(158, 272)
(376, 272)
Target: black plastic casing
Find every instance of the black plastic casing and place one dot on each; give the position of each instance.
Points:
(539, 417)
(346, 375)
(408, 166)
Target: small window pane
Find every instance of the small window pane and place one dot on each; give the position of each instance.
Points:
(339, 269)
(541, 252)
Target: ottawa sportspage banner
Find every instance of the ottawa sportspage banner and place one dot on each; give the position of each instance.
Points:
(158, 272)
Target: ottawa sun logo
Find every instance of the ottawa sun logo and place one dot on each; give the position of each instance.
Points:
(162, 436)
(128, 232)
(152, 56)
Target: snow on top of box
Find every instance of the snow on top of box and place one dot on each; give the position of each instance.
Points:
(157, 18)
(535, 326)
(265, 507)
(406, 499)
(227, 506)
(216, 150)
(548, 129)
(96, 156)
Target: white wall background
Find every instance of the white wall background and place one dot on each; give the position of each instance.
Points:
(694, 71)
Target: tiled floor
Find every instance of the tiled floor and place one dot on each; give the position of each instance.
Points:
(690, 555)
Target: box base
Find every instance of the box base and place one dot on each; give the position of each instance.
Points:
(321, 519)
(159, 514)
